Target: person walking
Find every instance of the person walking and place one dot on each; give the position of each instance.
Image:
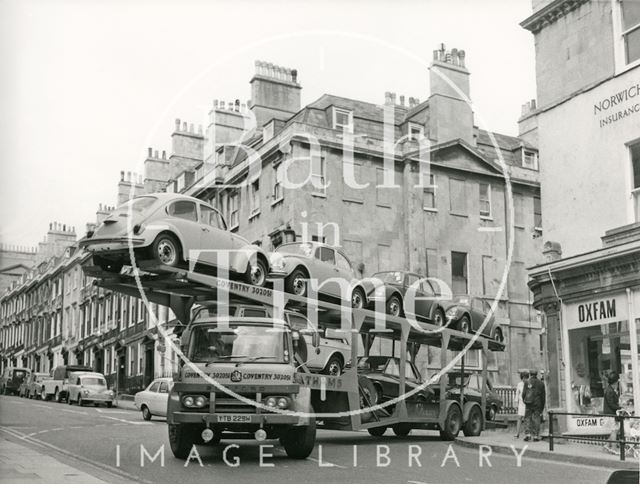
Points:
(533, 396)
(524, 376)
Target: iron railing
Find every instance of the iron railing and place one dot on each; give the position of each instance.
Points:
(631, 445)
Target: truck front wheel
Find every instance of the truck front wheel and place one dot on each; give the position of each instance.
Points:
(299, 442)
(182, 438)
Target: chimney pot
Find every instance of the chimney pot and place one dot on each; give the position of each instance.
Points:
(294, 75)
(177, 124)
(461, 55)
(552, 251)
(164, 155)
(149, 151)
(191, 130)
(128, 176)
(215, 103)
(155, 155)
(184, 126)
(402, 100)
(121, 175)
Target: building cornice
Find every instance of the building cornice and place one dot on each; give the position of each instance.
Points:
(550, 14)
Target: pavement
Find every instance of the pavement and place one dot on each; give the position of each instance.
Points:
(504, 442)
(52, 442)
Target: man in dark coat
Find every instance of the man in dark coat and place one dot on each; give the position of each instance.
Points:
(611, 396)
(533, 396)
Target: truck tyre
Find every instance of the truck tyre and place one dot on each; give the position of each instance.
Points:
(377, 431)
(401, 430)
(182, 438)
(299, 442)
(452, 423)
(473, 426)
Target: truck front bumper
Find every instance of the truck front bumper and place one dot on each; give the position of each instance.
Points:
(238, 419)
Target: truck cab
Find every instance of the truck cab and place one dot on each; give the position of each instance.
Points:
(239, 378)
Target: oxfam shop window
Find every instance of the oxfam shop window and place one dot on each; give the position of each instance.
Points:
(600, 342)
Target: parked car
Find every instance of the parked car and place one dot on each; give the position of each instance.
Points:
(12, 378)
(299, 262)
(153, 399)
(56, 387)
(467, 313)
(89, 387)
(392, 290)
(472, 384)
(384, 372)
(327, 351)
(173, 230)
(32, 386)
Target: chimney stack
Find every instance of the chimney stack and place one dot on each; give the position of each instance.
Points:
(275, 93)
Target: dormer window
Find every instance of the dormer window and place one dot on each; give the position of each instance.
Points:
(416, 131)
(529, 159)
(343, 120)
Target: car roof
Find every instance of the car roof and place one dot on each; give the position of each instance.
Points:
(316, 244)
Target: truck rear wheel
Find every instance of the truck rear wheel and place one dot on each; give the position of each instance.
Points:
(299, 442)
(182, 438)
(452, 423)
(401, 430)
(473, 426)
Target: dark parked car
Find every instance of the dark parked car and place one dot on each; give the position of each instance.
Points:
(467, 313)
(427, 305)
(12, 378)
(472, 391)
(384, 372)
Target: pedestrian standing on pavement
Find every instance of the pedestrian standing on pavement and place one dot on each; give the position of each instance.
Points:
(524, 376)
(534, 400)
(610, 407)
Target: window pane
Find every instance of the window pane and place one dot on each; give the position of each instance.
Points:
(327, 255)
(537, 212)
(635, 160)
(183, 209)
(632, 45)
(485, 200)
(630, 13)
(458, 202)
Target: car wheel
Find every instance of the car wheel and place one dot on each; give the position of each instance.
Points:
(492, 411)
(358, 298)
(473, 426)
(465, 324)
(80, 402)
(394, 306)
(452, 423)
(438, 318)
(57, 396)
(166, 250)
(69, 401)
(401, 430)
(333, 366)
(296, 283)
(377, 431)
(257, 274)
(498, 336)
(146, 413)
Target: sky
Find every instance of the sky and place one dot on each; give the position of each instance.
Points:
(88, 85)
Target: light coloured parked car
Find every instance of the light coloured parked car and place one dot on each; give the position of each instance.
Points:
(326, 351)
(173, 230)
(299, 262)
(89, 387)
(152, 401)
(33, 385)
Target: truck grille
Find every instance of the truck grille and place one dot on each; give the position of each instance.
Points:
(225, 404)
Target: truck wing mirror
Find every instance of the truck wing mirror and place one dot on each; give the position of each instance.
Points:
(184, 339)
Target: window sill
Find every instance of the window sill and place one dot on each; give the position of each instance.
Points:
(459, 214)
(254, 215)
(319, 194)
(353, 200)
(276, 202)
(383, 205)
(430, 210)
(486, 218)
(627, 67)
(235, 227)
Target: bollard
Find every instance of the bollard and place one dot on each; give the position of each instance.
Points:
(621, 436)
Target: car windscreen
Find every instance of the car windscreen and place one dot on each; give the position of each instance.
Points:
(390, 277)
(19, 374)
(373, 364)
(303, 249)
(238, 343)
(137, 205)
(94, 381)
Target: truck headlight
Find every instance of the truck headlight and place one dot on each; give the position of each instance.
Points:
(188, 401)
(199, 401)
(271, 401)
(194, 401)
(283, 403)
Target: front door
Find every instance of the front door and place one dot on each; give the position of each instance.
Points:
(149, 363)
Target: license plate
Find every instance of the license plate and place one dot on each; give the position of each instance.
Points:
(233, 418)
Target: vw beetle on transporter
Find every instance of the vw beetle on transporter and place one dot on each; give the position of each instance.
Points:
(174, 230)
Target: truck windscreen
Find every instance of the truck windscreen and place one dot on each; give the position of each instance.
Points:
(245, 343)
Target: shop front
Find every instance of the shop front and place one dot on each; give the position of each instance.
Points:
(591, 319)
